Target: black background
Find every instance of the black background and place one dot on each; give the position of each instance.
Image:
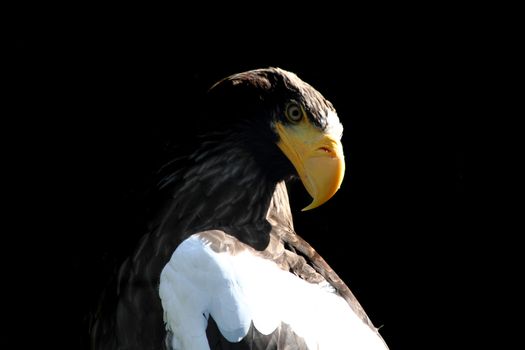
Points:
(110, 103)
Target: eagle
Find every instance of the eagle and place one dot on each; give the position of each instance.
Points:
(223, 268)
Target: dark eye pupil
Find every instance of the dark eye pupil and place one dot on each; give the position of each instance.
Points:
(294, 113)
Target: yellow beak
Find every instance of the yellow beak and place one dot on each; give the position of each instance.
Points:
(317, 157)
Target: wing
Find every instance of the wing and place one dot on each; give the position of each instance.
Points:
(129, 315)
(221, 294)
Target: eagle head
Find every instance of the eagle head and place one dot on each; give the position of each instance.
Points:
(287, 124)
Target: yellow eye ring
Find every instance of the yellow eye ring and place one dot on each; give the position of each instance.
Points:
(294, 112)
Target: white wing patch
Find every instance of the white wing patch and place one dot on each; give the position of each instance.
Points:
(238, 289)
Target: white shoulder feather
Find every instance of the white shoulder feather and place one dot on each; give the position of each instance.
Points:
(238, 289)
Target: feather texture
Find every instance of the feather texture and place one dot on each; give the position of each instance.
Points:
(222, 267)
(244, 290)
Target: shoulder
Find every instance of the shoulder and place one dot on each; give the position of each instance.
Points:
(195, 259)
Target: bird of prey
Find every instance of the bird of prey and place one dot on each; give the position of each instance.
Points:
(223, 268)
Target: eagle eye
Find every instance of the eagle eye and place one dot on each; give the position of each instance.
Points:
(294, 112)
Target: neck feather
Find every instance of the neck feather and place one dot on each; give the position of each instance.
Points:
(225, 188)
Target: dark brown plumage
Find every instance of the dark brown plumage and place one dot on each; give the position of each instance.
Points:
(232, 185)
